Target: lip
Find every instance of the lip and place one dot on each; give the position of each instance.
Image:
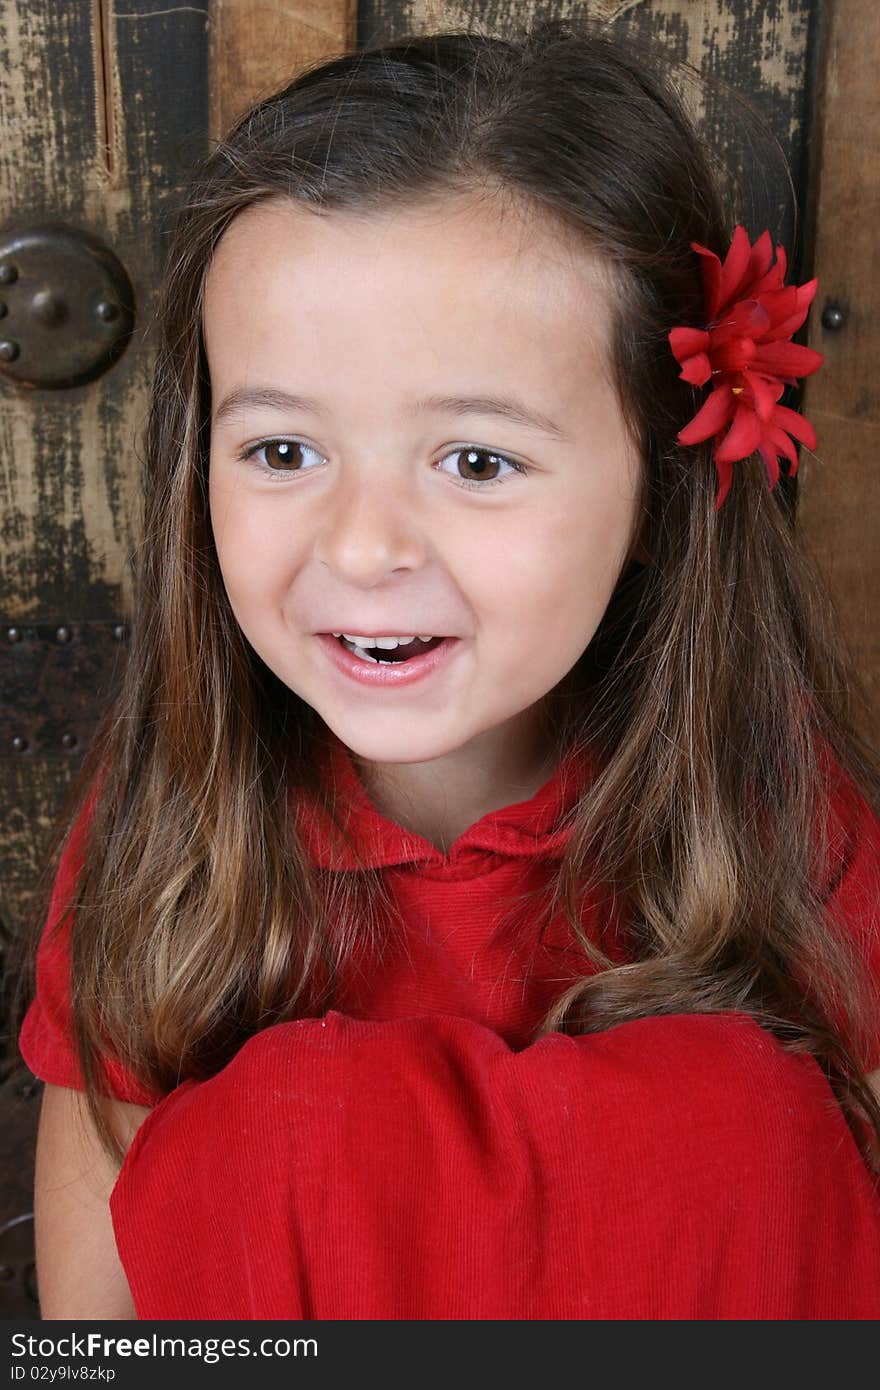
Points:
(371, 673)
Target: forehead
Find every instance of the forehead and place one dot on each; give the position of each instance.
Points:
(477, 284)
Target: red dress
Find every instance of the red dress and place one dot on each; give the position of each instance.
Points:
(412, 1155)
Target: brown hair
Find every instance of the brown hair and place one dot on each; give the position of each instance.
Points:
(711, 693)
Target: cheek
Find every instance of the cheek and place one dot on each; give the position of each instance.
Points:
(253, 546)
(559, 572)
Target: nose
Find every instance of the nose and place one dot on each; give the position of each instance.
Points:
(368, 532)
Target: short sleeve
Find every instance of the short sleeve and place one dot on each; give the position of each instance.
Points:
(852, 891)
(47, 1041)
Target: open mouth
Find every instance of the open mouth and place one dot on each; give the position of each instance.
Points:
(384, 656)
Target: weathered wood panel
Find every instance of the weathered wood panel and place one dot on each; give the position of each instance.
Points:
(258, 45)
(102, 109)
(838, 507)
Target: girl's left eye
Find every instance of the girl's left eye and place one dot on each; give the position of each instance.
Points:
(480, 464)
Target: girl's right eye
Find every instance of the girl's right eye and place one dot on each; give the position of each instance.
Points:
(280, 455)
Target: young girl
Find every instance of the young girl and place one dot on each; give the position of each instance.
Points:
(472, 906)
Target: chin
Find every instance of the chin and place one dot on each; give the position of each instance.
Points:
(392, 746)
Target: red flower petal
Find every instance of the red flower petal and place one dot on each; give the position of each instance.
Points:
(771, 464)
(715, 412)
(774, 277)
(735, 267)
(764, 392)
(779, 441)
(710, 275)
(725, 474)
(793, 423)
(697, 369)
(806, 293)
(734, 356)
(748, 319)
(687, 342)
(743, 437)
(759, 261)
(787, 327)
(787, 360)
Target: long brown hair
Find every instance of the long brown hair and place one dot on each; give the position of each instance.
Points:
(712, 692)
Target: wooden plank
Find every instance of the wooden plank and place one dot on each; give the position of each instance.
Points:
(259, 45)
(103, 106)
(838, 508)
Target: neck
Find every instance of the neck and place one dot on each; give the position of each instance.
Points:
(440, 799)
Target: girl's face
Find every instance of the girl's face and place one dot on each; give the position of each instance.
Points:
(371, 475)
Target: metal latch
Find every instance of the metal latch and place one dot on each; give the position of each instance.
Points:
(66, 306)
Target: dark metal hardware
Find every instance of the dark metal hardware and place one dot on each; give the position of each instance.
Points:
(70, 306)
(56, 680)
(834, 316)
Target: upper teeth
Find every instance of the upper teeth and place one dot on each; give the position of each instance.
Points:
(386, 643)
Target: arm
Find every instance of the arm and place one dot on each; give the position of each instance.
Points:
(78, 1268)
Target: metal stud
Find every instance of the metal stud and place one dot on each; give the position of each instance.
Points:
(834, 316)
(9, 350)
(13, 634)
(63, 634)
(120, 632)
(49, 308)
(19, 744)
(107, 310)
(68, 740)
(8, 274)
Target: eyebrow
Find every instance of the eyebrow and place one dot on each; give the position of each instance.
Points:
(268, 398)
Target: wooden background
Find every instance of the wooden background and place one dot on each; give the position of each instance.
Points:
(105, 103)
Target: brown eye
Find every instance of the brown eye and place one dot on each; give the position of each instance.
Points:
(475, 467)
(478, 465)
(283, 454)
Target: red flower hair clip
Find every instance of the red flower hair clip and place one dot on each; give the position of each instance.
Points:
(747, 352)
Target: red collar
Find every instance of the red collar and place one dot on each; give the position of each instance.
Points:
(530, 829)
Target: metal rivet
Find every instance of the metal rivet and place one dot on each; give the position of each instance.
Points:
(834, 316)
(8, 274)
(49, 308)
(68, 740)
(120, 632)
(107, 310)
(19, 744)
(63, 634)
(13, 634)
(8, 350)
